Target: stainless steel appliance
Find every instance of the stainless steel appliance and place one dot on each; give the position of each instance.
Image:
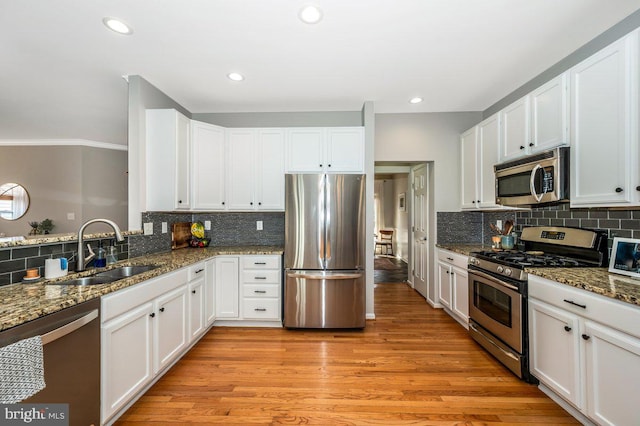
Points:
(324, 251)
(536, 179)
(71, 350)
(498, 287)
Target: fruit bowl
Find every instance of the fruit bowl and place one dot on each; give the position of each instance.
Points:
(199, 242)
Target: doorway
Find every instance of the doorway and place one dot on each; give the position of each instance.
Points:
(412, 238)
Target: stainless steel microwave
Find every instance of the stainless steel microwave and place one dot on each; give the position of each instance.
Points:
(535, 179)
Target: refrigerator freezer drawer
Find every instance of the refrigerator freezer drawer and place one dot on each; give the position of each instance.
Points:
(317, 299)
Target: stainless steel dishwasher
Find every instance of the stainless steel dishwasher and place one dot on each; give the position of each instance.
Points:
(71, 347)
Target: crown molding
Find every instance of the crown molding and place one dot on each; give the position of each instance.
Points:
(62, 142)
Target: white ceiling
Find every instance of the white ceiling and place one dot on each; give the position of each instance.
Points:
(61, 68)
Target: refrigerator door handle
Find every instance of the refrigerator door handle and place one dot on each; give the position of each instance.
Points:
(335, 276)
(327, 221)
(322, 225)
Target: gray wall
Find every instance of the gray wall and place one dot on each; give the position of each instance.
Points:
(142, 96)
(282, 119)
(87, 181)
(625, 26)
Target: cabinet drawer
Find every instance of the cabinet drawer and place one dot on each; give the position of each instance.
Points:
(613, 313)
(196, 271)
(260, 262)
(261, 309)
(452, 258)
(264, 290)
(255, 276)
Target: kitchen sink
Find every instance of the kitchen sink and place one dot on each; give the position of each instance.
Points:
(109, 276)
(125, 271)
(87, 281)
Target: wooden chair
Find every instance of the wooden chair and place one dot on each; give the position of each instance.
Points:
(385, 241)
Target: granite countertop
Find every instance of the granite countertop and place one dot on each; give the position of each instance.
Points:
(31, 240)
(20, 303)
(595, 280)
(464, 248)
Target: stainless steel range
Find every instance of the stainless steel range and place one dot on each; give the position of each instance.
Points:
(498, 287)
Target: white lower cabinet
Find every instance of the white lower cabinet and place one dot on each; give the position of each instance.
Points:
(143, 330)
(227, 287)
(210, 291)
(197, 295)
(585, 348)
(248, 289)
(453, 285)
(261, 278)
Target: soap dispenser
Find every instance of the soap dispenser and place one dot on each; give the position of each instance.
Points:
(101, 257)
(112, 253)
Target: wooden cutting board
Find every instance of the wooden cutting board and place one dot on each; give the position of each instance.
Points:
(180, 235)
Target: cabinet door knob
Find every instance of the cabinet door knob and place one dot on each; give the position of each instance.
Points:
(586, 337)
(223, 203)
(521, 146)
(638, 188)
(179, 201)
(567, 328)
(193, 291)
(162, 309)
(260, 202)
(618, 189)
(152, 314)
(328, 165)
(478, 201)
(531, 144)
(251, 203)
(320, 165)
(473, 202)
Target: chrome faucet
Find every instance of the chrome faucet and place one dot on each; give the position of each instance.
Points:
(81, 261)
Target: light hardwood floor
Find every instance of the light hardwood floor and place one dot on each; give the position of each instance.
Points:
(413, 365)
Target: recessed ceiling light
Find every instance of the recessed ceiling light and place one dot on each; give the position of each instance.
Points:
(415, 100)
(115, 24)
(310, 14)
(235, 76)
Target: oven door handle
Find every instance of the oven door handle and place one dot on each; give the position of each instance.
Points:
(510, 355)
(532, 183)
(492, 279)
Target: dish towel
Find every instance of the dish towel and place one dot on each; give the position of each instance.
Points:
(21, 370)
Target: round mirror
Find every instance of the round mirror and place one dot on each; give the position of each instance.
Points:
(14, 201)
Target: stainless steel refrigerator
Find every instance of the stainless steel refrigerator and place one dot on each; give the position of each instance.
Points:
(324, 253)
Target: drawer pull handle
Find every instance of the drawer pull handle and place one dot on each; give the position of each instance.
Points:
(261, 278)
(260, 291)
(199, 270)
(259, 263)
(450, 259)
(567, 328)
(260, 309)
(162, 309)
(586, 337)
(571, 302)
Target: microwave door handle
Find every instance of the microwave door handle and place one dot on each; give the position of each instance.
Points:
(532, 183)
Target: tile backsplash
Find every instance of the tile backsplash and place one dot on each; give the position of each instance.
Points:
(473, 227)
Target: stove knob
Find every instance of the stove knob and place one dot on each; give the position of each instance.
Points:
(507, 272)
(500, 269)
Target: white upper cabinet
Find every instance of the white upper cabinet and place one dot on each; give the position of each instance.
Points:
(241, 168)
(167, 160)
(537, 122)
(269, 191)
(331, 150)
(604, 127)
(515, 129)
(209, 162)
(256, 169)
(345, 149)
(479, 147)
(550, 115)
